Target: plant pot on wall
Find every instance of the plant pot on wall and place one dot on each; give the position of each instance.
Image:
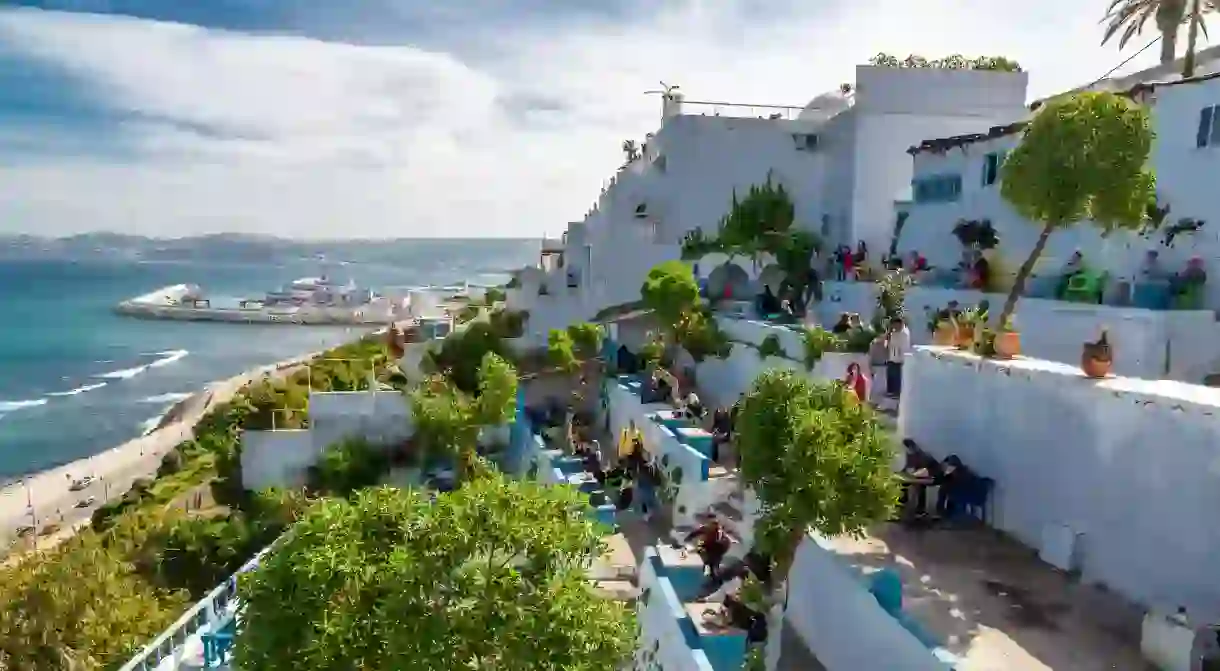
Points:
(944, 335)
(963, 336)
(1007, 344)
(1096, 358)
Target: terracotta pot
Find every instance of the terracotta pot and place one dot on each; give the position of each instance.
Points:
(964, 337)
(1007, 344)
(944, 336)
(1094, 367)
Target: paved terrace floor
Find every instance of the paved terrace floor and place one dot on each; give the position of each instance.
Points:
(996, 605)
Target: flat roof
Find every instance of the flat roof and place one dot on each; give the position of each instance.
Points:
(990, 601)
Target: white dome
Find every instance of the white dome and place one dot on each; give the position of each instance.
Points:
(824, 106)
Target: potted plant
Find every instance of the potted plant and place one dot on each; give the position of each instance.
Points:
(1096, 358)
(940, 325)
(963, 328)
(1007, 340)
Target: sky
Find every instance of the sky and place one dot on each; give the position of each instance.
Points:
(414, 118)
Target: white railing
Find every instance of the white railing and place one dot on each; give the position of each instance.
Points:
(739, 110)
(206, 614)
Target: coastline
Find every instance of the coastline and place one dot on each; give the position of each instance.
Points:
(48, 492)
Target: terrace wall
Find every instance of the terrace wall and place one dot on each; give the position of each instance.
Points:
(1128, 469)
(281, 458)
(1178, 345)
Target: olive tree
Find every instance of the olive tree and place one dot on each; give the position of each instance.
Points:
(1082, 157)
(815, 457)
(489, 576)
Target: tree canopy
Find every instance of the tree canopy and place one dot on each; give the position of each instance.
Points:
(489, 576)
(1082, 157)
(448, 420)
(462, 352)
(816, 458)
(670, 290)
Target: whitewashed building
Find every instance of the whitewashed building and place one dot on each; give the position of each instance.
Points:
(841, 158)
(957, 178)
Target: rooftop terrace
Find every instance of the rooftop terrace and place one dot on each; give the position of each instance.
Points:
(991, 602)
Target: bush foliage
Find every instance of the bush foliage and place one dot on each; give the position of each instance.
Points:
(93, 601)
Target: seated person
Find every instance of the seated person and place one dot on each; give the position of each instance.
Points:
(694, 407)
(711, 543)
(842, 326)
(954, 482)
(1073, 267)
(918, 464)
(917, 263)
(626, 496)
(980, 273)
(766, 303)
(656, 389)
(1194, 276)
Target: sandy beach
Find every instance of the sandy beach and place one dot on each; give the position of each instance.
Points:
(44, 498)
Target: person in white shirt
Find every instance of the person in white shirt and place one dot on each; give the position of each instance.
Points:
(897, 346)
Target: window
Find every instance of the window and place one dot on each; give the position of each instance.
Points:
(938, 189)
(805, 141)
(1209, 127)
(991, 167)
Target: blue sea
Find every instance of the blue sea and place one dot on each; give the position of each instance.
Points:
(77, 379)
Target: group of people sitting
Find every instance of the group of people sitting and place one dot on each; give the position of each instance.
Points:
(957, 485)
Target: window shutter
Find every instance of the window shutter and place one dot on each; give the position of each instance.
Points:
(1215, 140)
(1205, 126)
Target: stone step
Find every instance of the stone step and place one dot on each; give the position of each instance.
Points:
(619, 590)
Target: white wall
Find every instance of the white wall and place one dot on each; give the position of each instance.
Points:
(1133, 465)
(722, 381)
(898, 108)
(281, 458)
(831, 609)
(1148, 344)
(661, 617)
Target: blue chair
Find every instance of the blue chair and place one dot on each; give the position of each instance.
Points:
(1150, 295)
(886, 586)
(974, 498)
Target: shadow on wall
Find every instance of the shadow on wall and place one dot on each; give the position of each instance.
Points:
(729, 277)
(960, 584)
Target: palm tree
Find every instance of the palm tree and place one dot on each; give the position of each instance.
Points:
(1130, 16)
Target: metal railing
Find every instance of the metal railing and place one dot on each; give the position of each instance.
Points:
(209, 612)
(740, 110)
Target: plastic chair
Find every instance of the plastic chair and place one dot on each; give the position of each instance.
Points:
(886, 587)
(1190, 298)
(1085, 287)
(975, 497)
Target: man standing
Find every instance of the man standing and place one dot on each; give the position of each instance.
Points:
(897, 346)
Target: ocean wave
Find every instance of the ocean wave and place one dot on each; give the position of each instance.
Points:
(167, 358)
(9, 406)
(166, 398)
(79, 390)
(149, 425)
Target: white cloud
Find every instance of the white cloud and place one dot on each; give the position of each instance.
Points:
(293, 136)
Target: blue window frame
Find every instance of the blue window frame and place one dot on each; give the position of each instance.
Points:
(937, 189)
(991, 167)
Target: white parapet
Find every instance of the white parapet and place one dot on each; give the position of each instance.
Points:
(1130, 467)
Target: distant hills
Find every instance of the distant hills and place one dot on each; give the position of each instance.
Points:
(231, 247)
